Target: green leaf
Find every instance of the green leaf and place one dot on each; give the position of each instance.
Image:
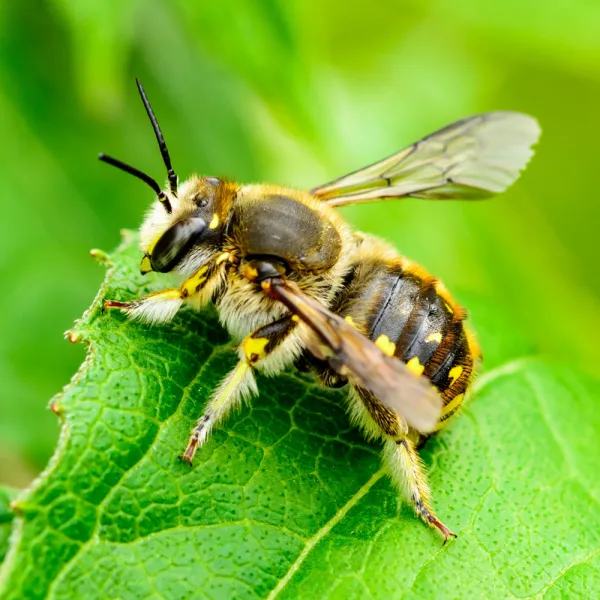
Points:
(6, 518)
(287, 500)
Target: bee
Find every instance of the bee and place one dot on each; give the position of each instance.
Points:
(295, 285)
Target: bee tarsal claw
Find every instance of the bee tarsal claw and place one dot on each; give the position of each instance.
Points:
(444, 530)
(447, 537)
(187, 459)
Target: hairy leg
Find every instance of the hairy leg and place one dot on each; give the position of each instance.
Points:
(408, 474)
(399, 455)
(161, 307)
(239, 383)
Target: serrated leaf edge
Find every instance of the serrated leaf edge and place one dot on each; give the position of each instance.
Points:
(74, 335)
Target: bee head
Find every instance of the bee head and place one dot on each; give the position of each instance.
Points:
(185, 226)
(192, 232)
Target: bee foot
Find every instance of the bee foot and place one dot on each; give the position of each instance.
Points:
(186, 459)
(188, 455)
(116, 304)
(443, 529)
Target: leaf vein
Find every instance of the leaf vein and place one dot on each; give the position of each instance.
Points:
(321, 533)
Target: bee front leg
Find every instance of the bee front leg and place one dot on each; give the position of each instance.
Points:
(161, 307)
(240, 383)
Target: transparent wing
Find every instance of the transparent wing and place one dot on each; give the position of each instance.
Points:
(353, 355)
(474, 158)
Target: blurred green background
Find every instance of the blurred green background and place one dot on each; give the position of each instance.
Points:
(295, 92)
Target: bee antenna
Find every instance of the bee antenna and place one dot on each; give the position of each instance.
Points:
(160, 139)
(140, 175)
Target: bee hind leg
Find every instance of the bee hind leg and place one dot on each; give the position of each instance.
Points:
(240, 382)
(408, 473)
(399, 454)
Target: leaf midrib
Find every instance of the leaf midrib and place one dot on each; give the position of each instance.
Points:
(324, 530)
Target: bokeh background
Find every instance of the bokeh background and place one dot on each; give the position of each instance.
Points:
(295, 92)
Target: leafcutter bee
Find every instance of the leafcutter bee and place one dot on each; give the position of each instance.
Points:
(295, 285)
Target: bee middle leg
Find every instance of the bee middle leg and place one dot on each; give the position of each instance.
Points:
(399, 455)
(240, 382)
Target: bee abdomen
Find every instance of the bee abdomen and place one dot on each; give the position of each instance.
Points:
(409, 315)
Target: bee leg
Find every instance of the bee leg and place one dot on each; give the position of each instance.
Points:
(408, 473)
(399, 454)
(161, 307)
(236, 386)
(239, 383)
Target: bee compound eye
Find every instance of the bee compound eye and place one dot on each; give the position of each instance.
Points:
(200, 201)
(175, 242)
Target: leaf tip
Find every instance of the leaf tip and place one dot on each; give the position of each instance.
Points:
(100, 256)
(73, 336)
(23, 508)
(16, 507)
(56, 408)
(127, 235)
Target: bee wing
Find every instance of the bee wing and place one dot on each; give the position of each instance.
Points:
(352, 354)
(473, 158)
